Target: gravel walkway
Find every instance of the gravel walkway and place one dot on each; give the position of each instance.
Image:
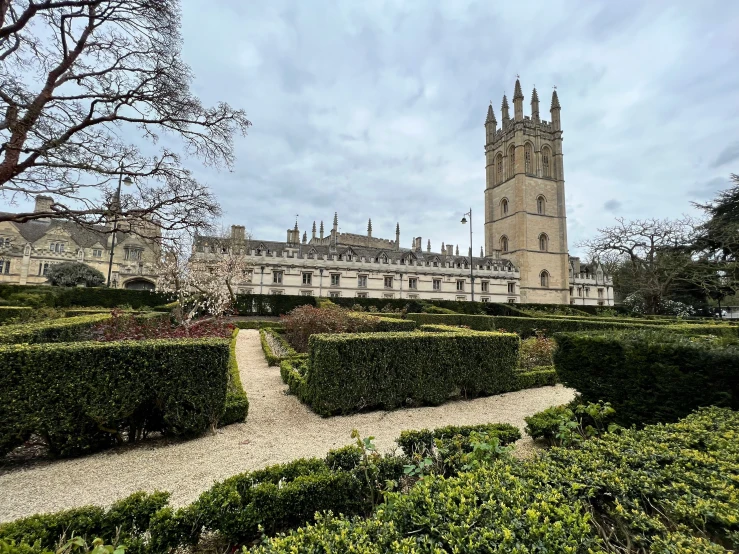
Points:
(279, 429)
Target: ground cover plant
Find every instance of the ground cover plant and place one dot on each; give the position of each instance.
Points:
(650, 376)
(571, 424)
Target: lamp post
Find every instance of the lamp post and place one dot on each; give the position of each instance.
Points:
(121, 181)
(472, 278)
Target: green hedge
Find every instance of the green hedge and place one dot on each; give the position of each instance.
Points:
(258, 324)
(270, 304)
(475, 322)
(64, 297)
(11, 312)
(386, 324)
(236, 406)
(351, 372)
(273, 358)
(420, 441)
(538, 377)
(81, 397)
(69, 329)
(649, 376)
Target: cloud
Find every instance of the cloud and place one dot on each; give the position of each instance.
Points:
(727, 155)
(613, 205)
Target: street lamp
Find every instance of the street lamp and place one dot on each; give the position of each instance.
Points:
(128, 182)
(472, 278)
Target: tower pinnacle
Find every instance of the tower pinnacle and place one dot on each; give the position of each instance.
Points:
(534, 105)
(321, 228)
(314, 230)
(518, 102)
(504, 109)
(369, 227)
(554, 111)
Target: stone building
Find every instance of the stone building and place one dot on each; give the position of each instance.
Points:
(363, 266)
(28, 249)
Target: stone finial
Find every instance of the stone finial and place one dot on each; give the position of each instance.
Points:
(314, 230)
(554, 111)
(336, 219)
(305, 237)
(369, 227)
(517, 91)
(456, 252)
(504, 109)
(321, 229)
(555, 101)
(534, 105)
(428, 246)
(296, 225)
(482, 255)
(491, 115)
(443, 249)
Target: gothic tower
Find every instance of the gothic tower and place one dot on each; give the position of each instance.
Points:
(525, 215)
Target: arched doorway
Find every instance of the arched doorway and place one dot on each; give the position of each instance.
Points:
(139, 284)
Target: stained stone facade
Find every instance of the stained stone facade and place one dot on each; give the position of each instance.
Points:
(29, 249)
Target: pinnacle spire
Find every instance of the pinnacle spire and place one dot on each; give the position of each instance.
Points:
(369, 227)
(504, 108)
(321, 228)
(314, 227)
(555, 101)
(336, 218)
(296, 224)
(443, 249)
(482, 255)
(517, 91)
(397, 228)
(534, 95)
(456, 252)
(305, 237)
(491, 115)
(428, 246)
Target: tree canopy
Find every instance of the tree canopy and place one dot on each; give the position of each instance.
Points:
(71, 274)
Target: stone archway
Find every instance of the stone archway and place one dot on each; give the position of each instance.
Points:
(139, 284)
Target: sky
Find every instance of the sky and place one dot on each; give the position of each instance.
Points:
(375, 109)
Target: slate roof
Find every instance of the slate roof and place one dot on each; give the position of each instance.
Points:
(32, 231)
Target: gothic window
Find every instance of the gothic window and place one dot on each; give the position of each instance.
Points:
(504, 243)
(544, 276)
(543, 242)
(499, 164)
(511, 161)
(528, 154)
(504, 207)
(546, 156)
(540, 205)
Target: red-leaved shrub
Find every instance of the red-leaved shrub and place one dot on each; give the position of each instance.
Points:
(305, 321)
(127, 327)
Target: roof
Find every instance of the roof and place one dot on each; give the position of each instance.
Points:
(84, 237)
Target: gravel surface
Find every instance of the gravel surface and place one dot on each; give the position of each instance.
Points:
(279, 429)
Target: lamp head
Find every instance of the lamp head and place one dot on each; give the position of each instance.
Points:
(127, 181)
(464, 219)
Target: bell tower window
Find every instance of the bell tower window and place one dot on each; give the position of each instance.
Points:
(504, 244)
(504, 207)
(528, 153)
(544, 276)
(541, 205)
(511, 162)
(546, 157)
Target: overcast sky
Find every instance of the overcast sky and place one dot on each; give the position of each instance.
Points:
(376, 109)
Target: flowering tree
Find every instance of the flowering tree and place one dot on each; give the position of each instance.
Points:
(205, 282)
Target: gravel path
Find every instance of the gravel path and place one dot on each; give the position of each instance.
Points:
(279, 429)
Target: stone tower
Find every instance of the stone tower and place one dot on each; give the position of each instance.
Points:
(525, 216)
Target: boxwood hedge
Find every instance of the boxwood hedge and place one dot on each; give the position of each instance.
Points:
(68, 329)
(64, 297)
(422, 440)
(236, 406)
(351, 372)
(649, 376)
(274, 358)
(83, 396)
(8, 313)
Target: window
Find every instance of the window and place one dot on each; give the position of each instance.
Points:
(413, 296)
(5, 242)
(600, 293)
(362, 295)
(97, 253)
(278, 292)
(388, 295)
(485, 299)
(579, 291)
(6, 269)
(484, 286)
(587, 291)
(543, 242)
(43, 268)
(460, 284)
(335, 279)
(57, 247)
(545, 159)
(388, 282)
(460, 298)
(541, 205)
(504, 207)
(437, 284)
(132, 254)
(277, 277)
(544, 277)
(511, 288)
(499, 164)
(504, 243)
(511, 300)
(511, 161)
(362, 281)
(412, 283)
(306, 293)
(334, 294)
(307, 278)
(528, 154)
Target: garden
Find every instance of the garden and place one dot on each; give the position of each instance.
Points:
(644, 458)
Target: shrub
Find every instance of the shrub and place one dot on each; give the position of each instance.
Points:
(9, 313)
(539, 377)
(60, 330)
(476, 322)
(236, 407)
(347, 373)
(270, 304)
(257, 324)
(570, 423)
(65, 297)
(649, 376)
(156, 325)
(284, 349)
(72, 274)
(81, 397)
(536, 352)
(412, 442)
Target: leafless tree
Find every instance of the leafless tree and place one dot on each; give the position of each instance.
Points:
(86, 89)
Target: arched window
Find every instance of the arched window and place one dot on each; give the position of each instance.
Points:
(541, 204)
(511, 162)
(543, 242)
(499, 164)
(504, 243)
(544, 275)
(528, 155)
(504, 207)
(546, 158)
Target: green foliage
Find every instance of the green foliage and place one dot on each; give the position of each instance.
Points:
(59, 330)
(270, 304)
(423, 441)
(72, 274)
(536, 352)
(64, 297)
(476, 322)
(649, 376)
(9, 313)
(345, 458)
(274, 358)
(430, 309)
(569, 425)
(81, 397)
(351, 372)
(540, 377)
(236, 406)
(258, 324)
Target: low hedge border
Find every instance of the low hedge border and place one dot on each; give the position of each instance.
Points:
(8, 313)
(69, 329)
(258, 324)
(236, 407)
(386, 324)
(61, 392)
(475, 322)
(272, 358)
(544, 376)
(65, 297)
(412, 442)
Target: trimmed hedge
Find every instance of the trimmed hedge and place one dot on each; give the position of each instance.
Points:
(11, 312)
(475, 322)
(236, 407)
(272, 358)
(421, 441)
(538, 377)
(64, 297)
(649, 376)
(257, 324)
(383, 324)
(69, 329)
(351, 372)
(270, 304)
(81, 397)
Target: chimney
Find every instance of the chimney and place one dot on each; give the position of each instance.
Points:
(450, 250)
(237, 232)
(417, 246)
(43, 203)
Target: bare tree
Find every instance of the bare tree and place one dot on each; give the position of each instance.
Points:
(649, 255)
(81, 82)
